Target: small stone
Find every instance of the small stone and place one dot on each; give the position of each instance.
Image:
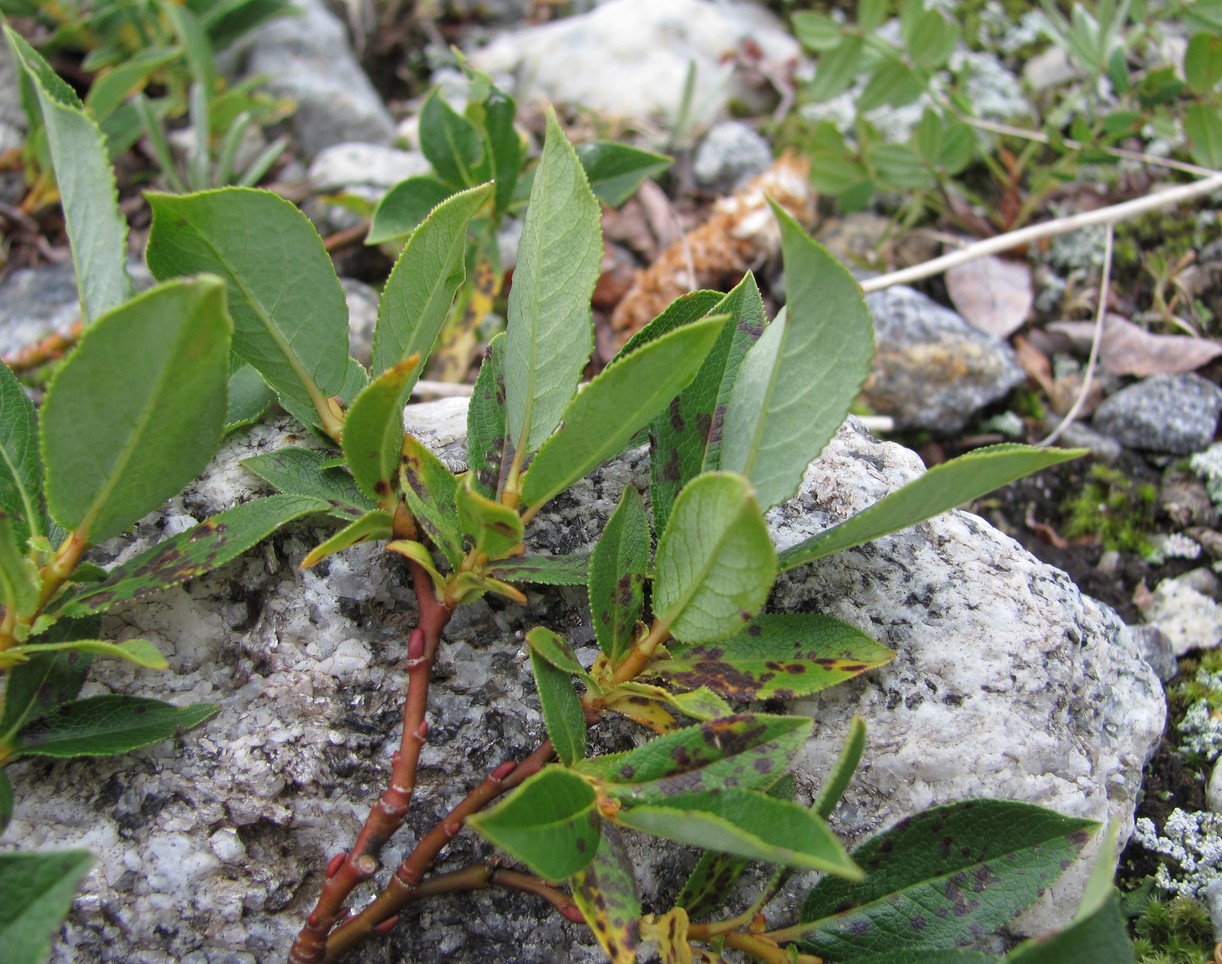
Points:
(362, 318)
(1175, 414)
(730, 154)
(343, 166)
(932, 370)
(1190, 619)
(1156, 650)
(227, 846)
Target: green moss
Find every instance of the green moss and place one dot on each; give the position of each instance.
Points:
(1173, 932)
(1114, 510)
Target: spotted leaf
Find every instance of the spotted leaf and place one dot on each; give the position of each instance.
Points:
(943, 877)
(780, 655)
(488, 450)
(617, 575)
(606, 893)
(431, 492)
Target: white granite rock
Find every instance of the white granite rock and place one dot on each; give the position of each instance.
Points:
(627, 59)
(210, 848)
(1185, 615)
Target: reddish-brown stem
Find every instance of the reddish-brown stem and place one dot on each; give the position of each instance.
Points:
(49, 349)
(348, 871)
(405, 886)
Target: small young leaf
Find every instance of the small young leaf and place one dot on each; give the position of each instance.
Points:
(846, 765)
(752, 749)
(617, 576)
(817, 32)
(431, 492)
(1203, 128)
(550, 332)
(47, 681)
(373, 430)
(616, 170)
(20, 582)
(606, 893)
(290, 317)
(555, 650)
(797, 382)
(419, 554)
(421, 288)
(138, 651)
(110, 88)
(715, 561)
(20, 465)
(941, 488)
(249, 398)
(562, 712)
(309, 473)
(115, 447)
(503, 142)
(942, 877)
(36, 891)
(375, 524)
(97, 231)
(108, 725)
(685, 440)
(618, 402)
(404, 206)
(550, 823)
(654, 706)
(487, 429)
(569, 570)
(189, 554)
(838, 68)
(893, 83)
(748, 824)
(449, 141)
(782, 655)
(494, 529)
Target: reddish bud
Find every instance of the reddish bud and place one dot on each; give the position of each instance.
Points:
(313, 920)
(415, 645)
(453, 827)
(572, 912)
(386, 926)
(334, 865)
(506, 768)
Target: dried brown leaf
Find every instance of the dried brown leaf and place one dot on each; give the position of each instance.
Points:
(993, 295)
(1128, 349)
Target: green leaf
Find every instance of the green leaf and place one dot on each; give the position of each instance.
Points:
(494, 529)
(138, 651)
(605, 891)
(290, 317)
(841, 773)
(487, 431)
(797, 382)
(190, 554)
(817, 32)
(375, 524)
(562, 712)
(750, 749)
(712, 880)
(431, 491)
(20, 465)
(616, 171)
(682, 311)
(871, 14)
(310, 473)
(783, 655)
(686, 438)
(97, 232)
(419, 554)
(550, 823)
(112, 451)
(571, 570)
(894, 83)
(20, 582)
(1203, 128)
(715, 561)
(555, 650)
(373, 430)
(837, 69)
(898, 166)
(421, 288)
(652, 705)
(941, 488)
(249, 398)
(108, 725)
(616, 584)
(748, 824)
(47, 681)
(36, 891)
(930, 39)
(449, 141)
(620, 400)
(404, 206)
(550, 333)
(502, 142)
(928, 956)
(943, 877)
(6, 801)
(109, 89)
